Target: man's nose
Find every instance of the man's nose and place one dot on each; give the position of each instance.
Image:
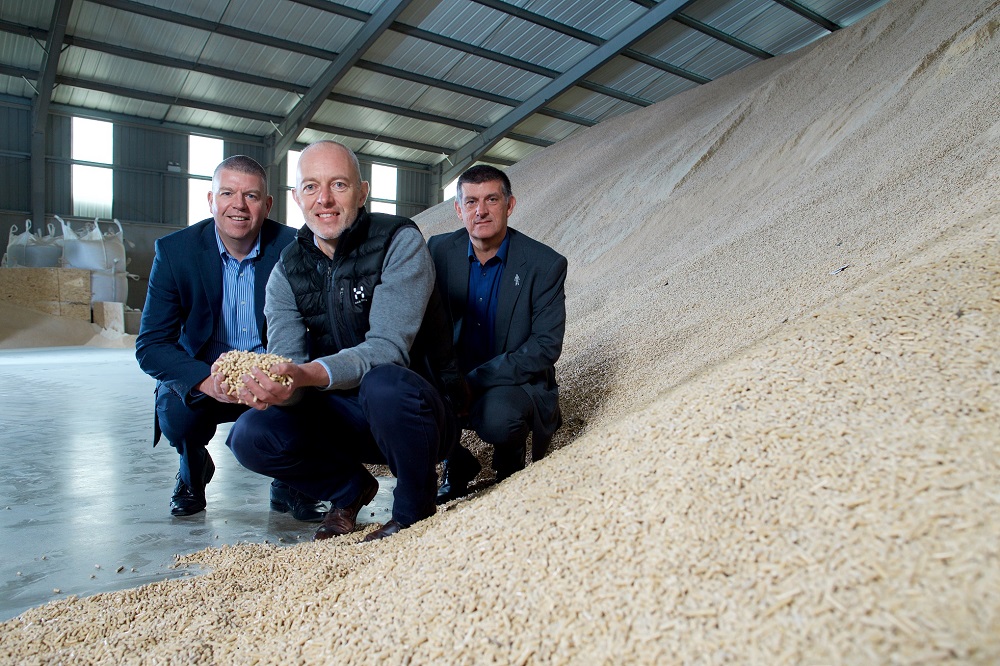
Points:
(481, 209)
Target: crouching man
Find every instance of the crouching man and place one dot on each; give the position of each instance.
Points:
(352, 303)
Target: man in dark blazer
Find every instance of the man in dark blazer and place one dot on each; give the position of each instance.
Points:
(505, 293)
(205, 298)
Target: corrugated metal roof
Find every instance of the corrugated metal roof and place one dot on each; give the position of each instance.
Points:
(447, 81)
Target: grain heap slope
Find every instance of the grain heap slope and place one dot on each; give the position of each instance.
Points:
(776, 462)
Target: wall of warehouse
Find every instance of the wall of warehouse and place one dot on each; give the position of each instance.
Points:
(150, 200)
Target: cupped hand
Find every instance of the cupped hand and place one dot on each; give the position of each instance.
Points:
(260, 391)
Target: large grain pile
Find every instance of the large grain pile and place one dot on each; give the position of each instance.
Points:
(767, 459)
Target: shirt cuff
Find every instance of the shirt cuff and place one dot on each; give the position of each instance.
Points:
(329, 374)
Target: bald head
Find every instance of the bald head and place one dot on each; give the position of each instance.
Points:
(329, 190)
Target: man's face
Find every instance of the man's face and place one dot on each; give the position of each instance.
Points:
(329, 190)
(239, 204)
(484, 210)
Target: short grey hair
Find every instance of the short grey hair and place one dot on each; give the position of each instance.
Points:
(240, 164)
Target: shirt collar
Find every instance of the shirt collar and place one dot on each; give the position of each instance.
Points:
(224, 253)
(501, 251)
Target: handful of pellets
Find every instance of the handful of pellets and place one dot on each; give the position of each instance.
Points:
(234, 364)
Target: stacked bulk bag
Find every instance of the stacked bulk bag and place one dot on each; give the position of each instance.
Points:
(101, 253)
(30, 250)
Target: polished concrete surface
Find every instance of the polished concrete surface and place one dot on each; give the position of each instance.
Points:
(84, 497)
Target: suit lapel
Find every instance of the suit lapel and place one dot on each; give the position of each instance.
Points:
(458, 278)
(262, 271)
(510, 290)
(211, 272)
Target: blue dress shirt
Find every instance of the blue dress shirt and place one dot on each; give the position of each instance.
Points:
(478, 338)
(237, 327)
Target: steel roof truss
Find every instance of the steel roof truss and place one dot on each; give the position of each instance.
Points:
(40, 108)
(805, 12)
(470, 152)
(288, 131)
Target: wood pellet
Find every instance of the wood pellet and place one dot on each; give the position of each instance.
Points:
(233, 365)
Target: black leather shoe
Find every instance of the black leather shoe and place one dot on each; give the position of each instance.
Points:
(340, 521)
(187, 500)
(459, 471)
(508, 460)
(388, 529)
(539, 446)
(286, 499)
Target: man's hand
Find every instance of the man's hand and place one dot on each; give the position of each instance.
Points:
(214, 387)
(260, 391)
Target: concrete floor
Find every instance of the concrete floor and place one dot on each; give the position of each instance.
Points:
(84, 497)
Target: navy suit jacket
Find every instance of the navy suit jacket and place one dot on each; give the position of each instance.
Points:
(530, 320)
(184, 302)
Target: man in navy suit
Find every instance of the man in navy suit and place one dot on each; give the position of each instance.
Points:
(505, 294)
(205, 298)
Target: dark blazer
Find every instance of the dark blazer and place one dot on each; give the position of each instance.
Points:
(184, 302)
(530, 321)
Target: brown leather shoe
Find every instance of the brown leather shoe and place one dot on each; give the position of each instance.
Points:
(388, 529)
(340, 521)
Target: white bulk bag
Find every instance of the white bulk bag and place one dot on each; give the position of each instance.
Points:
(33, 250)
(108, 286)
(92, 250)
(101, 253)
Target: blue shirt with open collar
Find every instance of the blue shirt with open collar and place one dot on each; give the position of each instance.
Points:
(236, 328)
(478, 338)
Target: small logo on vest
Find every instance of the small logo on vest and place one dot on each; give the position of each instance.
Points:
(517, 279)
(359, 295)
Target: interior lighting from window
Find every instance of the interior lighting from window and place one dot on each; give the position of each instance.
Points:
(93, 186)
(204, 154)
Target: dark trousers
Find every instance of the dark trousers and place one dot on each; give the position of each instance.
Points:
(189, 428)
(502, 416)
(318, 446)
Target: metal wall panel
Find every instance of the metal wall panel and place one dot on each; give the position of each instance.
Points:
(59, 189)
(59, 137)
(15, 186)
(175, 201)
(412, 192)
(138, 196)
(254, 150)
(144, 189)
(147, 148)
(16, 122)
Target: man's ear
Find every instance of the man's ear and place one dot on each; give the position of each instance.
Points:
(510, 204)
